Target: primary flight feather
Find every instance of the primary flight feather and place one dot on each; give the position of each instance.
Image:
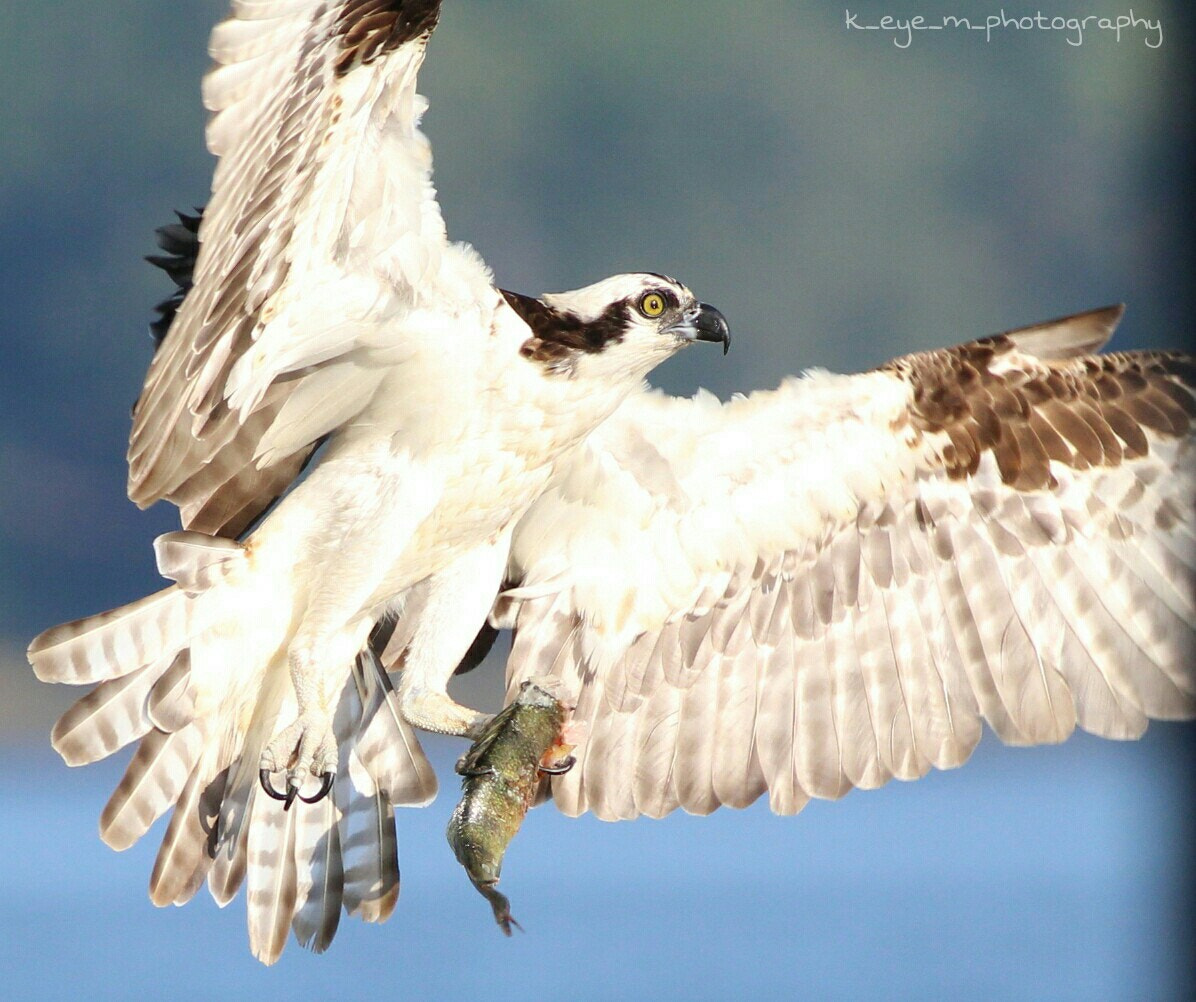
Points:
(823, 586)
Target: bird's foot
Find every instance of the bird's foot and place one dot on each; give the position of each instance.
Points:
(557, 760)
(303, 751)
(437, 711)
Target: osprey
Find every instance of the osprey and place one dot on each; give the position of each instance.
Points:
(795, 593)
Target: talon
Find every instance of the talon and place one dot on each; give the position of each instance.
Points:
(303, 749)
(464, 768)
(325, 787)
(559, 768)
(292, 793)
(263, 776)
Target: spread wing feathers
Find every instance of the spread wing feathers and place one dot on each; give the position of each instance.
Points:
(321, 231)
(832, 584)
(176, 686)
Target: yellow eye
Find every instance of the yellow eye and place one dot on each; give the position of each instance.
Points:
(652, 304)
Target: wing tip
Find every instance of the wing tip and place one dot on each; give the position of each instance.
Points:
(369, 29)
(1070, 336)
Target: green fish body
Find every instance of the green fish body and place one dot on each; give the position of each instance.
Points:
(501, 777)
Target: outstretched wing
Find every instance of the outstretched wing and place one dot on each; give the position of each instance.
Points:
(831, 584)
(322, 236)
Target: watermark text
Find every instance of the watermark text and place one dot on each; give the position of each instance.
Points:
(1074, 29)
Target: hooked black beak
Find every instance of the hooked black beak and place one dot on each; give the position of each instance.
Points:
(705, 324)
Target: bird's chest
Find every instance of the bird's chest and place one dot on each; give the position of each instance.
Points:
(488, 484)
(507, 444)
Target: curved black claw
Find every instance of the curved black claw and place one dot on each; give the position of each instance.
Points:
(292, 793)
(325, 788)
(263, 776)
(560, 768)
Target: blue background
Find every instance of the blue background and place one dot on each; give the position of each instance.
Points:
(841, 200)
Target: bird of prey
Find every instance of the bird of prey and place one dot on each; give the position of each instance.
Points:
(381, 459)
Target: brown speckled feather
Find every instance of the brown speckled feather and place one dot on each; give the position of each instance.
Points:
(1027, 411)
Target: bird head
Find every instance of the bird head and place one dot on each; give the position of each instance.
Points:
(624, 325)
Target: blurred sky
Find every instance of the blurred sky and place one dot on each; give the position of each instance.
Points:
(841, 200)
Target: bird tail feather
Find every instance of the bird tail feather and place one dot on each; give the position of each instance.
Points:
(196, 675)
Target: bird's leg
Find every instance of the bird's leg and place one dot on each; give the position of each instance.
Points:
(307, 748)
(356, 533)
(457, 601)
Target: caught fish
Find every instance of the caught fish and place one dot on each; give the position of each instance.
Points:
(501, 775)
